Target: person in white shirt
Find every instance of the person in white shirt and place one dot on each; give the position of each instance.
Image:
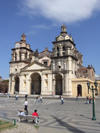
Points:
(41, 98)
(26, 106)
(16, 96)
(62, 100)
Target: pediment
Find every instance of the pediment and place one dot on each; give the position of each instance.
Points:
(35, 66)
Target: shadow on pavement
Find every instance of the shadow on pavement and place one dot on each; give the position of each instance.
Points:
(69, 127)
(83, 116)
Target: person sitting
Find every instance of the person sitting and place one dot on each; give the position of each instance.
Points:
(21, 112)
(35, 114)
(87, 100)
(90, 99)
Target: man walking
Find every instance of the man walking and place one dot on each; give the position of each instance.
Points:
(26, 106)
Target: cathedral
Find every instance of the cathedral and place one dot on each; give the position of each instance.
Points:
(59, 72)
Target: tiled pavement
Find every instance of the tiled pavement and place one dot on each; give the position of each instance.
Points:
(72, 116)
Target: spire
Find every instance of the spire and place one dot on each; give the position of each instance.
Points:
(63, 29)
(23, 37)
(46, 49)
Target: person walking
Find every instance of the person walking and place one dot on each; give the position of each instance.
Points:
(62, 100)
(76, 98)
(16, 96)
(8, 95)
(36, 99)
(26, 106)
(41, 98)
(26, 97)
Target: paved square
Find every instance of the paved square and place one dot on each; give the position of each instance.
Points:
(72, 116)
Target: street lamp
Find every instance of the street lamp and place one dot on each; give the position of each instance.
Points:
(88, 84)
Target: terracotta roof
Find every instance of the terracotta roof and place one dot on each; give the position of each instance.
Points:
(83, 68)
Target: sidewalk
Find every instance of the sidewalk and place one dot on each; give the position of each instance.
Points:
(21, 128)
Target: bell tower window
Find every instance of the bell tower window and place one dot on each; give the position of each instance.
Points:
(15, 56)
(26, 55)
(45, 63)
(19, 55)
(63, 50)
(57, 51)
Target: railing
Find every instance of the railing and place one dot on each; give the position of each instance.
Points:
(8, 120)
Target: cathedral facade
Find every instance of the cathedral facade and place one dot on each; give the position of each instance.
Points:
(58, 72)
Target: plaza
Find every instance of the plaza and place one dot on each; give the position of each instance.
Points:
(72, 116)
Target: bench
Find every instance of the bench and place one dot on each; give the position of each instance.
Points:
(28, 117)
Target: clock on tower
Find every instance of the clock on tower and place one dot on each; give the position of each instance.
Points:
(17, 45)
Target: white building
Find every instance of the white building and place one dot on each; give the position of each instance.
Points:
(46, 72)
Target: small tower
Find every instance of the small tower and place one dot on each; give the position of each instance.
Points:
(23, 38)
(63, 29)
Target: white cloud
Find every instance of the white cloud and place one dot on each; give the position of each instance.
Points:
(42, 26)
(61, 10)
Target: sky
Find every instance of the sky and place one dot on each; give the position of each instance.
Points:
(41, 21)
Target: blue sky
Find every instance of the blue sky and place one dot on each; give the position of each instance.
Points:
(41, 21)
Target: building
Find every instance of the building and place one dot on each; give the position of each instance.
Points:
(59, 71)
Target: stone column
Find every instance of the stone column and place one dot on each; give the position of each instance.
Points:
(20, 83)
(54, 83)
(13, 87)
(54, 51)
(50, 84)
(14, 57)
(29, 86)
(70, 84)
(60, 50)
(10, 85)
(23, 56)
(63, 85)
(42, 84)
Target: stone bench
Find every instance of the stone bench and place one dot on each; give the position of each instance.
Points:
(28, 117)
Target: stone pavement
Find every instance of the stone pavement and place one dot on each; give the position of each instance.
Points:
(72, 116)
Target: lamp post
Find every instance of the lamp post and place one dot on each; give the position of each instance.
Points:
(88, 84)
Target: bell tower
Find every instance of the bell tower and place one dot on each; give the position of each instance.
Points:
(66, 60)
(20, 55)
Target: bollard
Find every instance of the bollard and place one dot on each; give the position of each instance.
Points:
(14, 122)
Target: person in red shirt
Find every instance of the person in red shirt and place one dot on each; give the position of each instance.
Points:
(35, 114)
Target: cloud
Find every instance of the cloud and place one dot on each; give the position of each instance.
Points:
(61, 10)
(41, 26)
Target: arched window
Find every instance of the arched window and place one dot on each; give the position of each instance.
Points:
(79, 90)
(57, 51)
(36, 83)
(58, 87)
(63, 50)
(26, 55)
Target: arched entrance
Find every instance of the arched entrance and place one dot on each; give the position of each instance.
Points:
(35, 83)
(58, 87)
(16, 84)
(79, 90)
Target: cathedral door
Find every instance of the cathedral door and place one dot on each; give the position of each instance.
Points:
(58, 87)
(79, 90)
(16, 84)
(36, 84)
